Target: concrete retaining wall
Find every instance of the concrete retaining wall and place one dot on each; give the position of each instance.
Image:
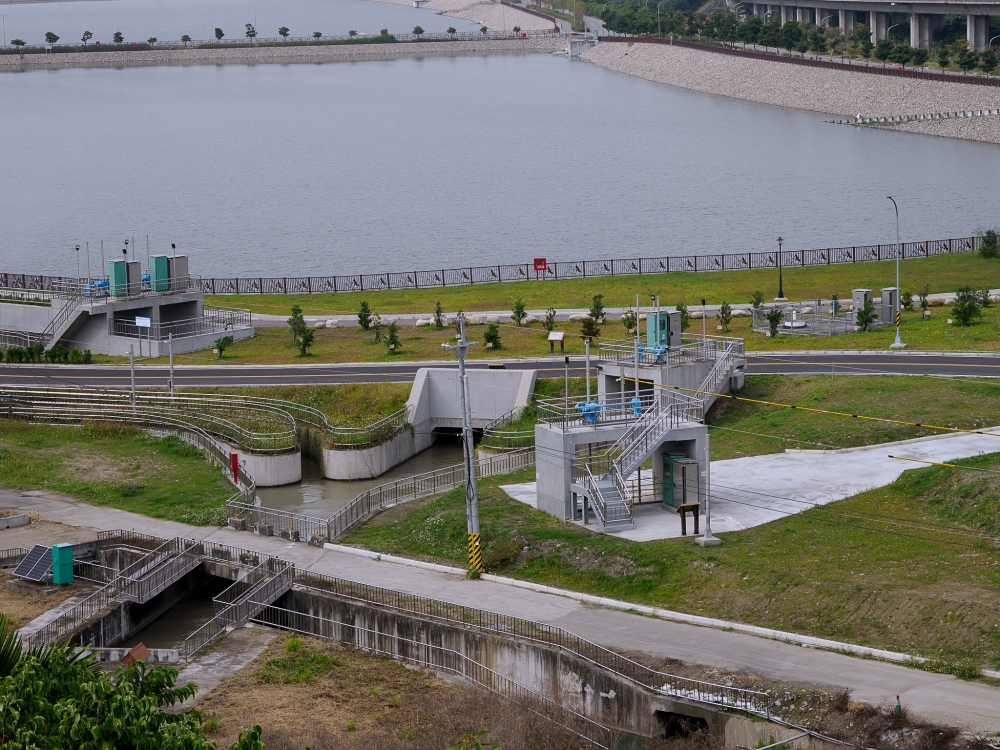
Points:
(271, 470)
(436, 401)
(371, 462)
(12, 522)
(280, 54)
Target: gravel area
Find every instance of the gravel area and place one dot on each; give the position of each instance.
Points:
(836, 92)
(280, 54)
(502, 18)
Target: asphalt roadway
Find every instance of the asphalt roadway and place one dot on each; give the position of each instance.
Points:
(946, 364)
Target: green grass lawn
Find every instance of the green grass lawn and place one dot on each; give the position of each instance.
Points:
(942, 273)
(858, 577)
(747, 429)
(115, 466)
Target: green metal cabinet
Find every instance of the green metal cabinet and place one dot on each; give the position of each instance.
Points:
(159, 273)
(118, 278)
(680, 473)
(62, 564)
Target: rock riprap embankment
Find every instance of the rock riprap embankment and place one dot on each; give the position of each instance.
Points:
(839, 92)
(280, 53)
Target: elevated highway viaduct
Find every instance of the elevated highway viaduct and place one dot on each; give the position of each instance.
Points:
(922, 18)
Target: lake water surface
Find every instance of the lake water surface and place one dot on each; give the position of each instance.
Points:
(318, 169)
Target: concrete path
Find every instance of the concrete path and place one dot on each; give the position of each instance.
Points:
(796, 480)
(971, 706)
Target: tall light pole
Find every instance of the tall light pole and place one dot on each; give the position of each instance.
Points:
(781, 285)
(898, 343)
(471, 496)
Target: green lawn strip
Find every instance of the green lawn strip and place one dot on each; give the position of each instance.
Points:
(748, 429)
(942, 273)
(814, 573)
(115, 466)
(349, 405)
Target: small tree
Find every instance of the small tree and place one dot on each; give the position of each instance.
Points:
(517, 29)
(218, 34)
(365, 316)
(186, 39)
(725, 316)
(943, 58)
(967, 60)
(87, 36)
(923, 297)
(452, 31)
(377, 327)
(966, 307)
(50, 38)
(518, 314)
(119, 37)
(417, 31)
(306, 341)
(483, 30)
(492, 335)
(18, 42)
(984, 298)
(989, 247)
(297, 323)
(630, 320)
(319, 34)
(550, 319)
(352, 33)
(901, 53)
(383, 32)
(392, 338)
(988, 61)
(906, 300)
(222, 344)
(758, 299)
(151, 41)
(836, 303)
(251, 32)
(774, 316)
(597, 308)
(866, 315)
(438, 315)
(283, 33)
(590, 329)
(685, 315)
(919, 56)
(883, 49)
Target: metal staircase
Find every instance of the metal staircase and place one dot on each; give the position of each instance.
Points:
(161, 568)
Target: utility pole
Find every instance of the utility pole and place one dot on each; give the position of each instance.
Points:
(898, 343)
(708, 540)
(637, 346)
(586, 343)
(471, 497)
(131, 365)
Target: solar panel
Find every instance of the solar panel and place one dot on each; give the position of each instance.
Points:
(36, 565)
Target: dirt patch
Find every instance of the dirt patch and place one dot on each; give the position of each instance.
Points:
(22, 608)
(43, 532)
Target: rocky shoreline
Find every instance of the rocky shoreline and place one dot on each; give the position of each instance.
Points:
(841, 93)
(280, 54)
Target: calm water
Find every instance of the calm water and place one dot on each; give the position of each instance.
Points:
(317, 496)
(169, 21)
(348, 167)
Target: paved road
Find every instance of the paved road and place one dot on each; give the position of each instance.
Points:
(847, 363)
(934, 697)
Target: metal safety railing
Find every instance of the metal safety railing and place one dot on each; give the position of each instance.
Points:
(11, 558)
(376, 499)
(438, 658)
(491, 622)
(212, 322)
(496, 437)
(614, 408)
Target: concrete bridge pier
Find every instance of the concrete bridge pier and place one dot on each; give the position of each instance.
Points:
(878, 23)
(846, 21)
(787, 14)
(975, 31)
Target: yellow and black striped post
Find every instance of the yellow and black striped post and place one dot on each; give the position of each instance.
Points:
(475, 554)
(899, 318)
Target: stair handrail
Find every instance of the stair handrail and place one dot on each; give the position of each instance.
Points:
(60, 317)
(597, 499)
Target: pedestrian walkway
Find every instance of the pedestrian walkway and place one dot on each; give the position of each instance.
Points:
(939, 698)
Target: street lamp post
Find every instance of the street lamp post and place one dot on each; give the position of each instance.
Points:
(898, 343)
(471, 496)
(77, 262)
(659, 31)
(781, 286)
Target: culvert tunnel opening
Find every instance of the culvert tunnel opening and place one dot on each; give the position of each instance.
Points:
(674, 725)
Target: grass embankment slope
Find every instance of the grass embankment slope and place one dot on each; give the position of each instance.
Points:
(890, 568)
(115, 466)
(942, 273)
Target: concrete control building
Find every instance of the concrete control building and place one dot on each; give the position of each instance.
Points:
(127, 310)
(923, 18)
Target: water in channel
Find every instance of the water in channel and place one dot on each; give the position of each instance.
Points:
(320, 497)
(291, 170)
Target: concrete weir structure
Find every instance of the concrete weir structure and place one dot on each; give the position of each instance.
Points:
(923, 18)
(435, 407)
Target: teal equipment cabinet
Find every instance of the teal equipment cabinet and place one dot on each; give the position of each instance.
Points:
(118, 278)
(680, 480)
(62, 564)
(663, 328)
(159, 273)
